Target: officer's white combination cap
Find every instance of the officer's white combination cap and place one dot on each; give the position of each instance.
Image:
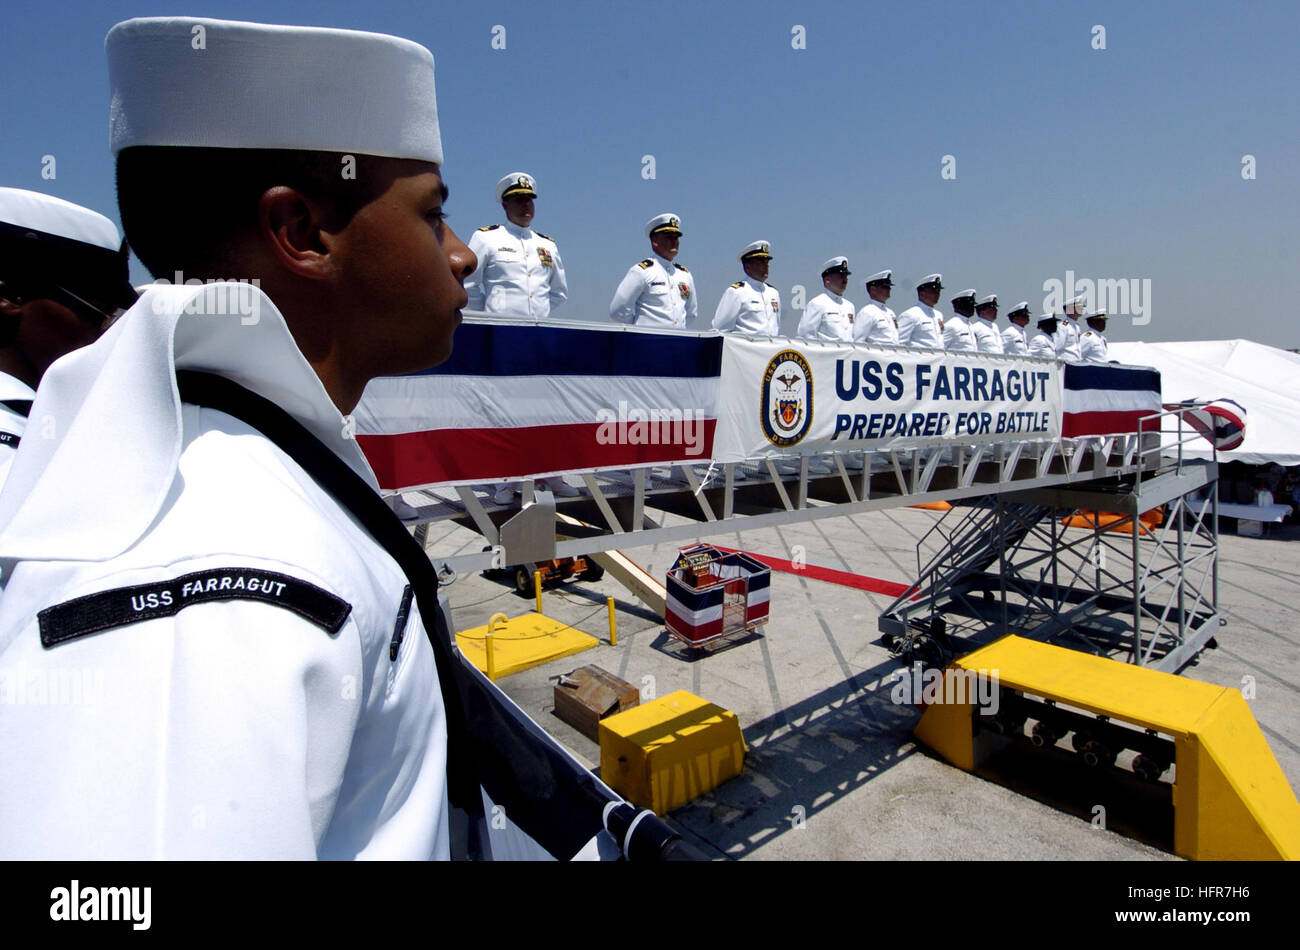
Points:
(189, 81)
(666, 223)
(886, 276)
(990, 299)
(968, 292)
(1022, 305)
(1075, 301)
(1046, 316)
(33, 211)
(837, 264)
(756, 249)
(516, 183)
(1097, 315)
(930, 279)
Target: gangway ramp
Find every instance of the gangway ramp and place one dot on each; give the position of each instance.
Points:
(1230, 797)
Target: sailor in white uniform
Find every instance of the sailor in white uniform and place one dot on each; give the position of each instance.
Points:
(1044, 341)
(1092, 345)
(658, 292)
(957, 333)
(260, 681)
(520, 272)
(922, 325)
(876, 323)
(63, 278)
(828, 316)
(1013, 336)
(985, 325)
(751, 305)
(1067, 331)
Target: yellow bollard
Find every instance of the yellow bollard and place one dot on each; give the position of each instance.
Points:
(537, 586)
(487, 644)
(613, 632)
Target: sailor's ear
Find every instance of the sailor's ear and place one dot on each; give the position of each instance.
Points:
(290, 224)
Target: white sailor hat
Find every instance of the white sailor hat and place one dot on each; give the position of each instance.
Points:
(666, 223)
(991, 300)
(883, 277)
(928, 279)
(516, 183)
(836, 265)
(756, 249)
(1022, 307)
(968, 292)
(46, 239)
(190, 81)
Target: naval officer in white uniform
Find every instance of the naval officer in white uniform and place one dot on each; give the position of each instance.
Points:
(63, 278)
(1067, 331)
(1013, 336)
(266, 689)
(1093, 347)
(957, 334)
(1044, 341)
(751, 305)
(520, 273)
(829, 316)
(985, 325)
(922, 325)
(658, 292)
(876, 323)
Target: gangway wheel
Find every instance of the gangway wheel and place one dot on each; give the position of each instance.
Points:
(524, 580)
(1096, 754)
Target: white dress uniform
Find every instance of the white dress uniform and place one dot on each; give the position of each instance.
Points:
(876, 323)
(1043, 344)
(519, 273)
(749, 306)
(239, 638)
(656, 293)
(958, 335)
(987, 338)
(13, 420)
(1067, 340)
(249, 677)
(1093, 347)
(828, 318)
(921, 325)
(1013, 340)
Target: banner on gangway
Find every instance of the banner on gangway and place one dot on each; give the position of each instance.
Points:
(782, 397)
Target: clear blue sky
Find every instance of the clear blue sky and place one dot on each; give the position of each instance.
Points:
(1119, 163)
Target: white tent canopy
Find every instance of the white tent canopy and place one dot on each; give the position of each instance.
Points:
(1263, 379)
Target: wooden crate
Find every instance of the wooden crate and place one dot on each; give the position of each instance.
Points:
(588, 694)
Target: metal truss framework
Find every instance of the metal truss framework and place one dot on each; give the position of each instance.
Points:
(619, 508)
(1021, 563)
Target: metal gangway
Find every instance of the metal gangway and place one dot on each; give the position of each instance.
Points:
(1114, 584)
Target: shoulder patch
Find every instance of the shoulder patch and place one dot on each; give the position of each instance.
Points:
(680, 267)
(738, 284)
(645, 263)
(489, 227)
(547, 236)
(94, 613)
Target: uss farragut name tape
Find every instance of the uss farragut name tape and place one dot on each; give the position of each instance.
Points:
(125, 605)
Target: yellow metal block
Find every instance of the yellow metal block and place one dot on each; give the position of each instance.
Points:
(1231, 798)
(521, 643)
(669, 751)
